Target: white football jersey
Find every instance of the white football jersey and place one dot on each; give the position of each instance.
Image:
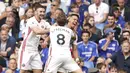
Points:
(60, 40)
(31, 40)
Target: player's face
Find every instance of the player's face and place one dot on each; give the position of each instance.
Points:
(85, 37)
(125, 47)
(73, 21)
(40, 12)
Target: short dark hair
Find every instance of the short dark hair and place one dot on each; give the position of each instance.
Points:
(61, 19)
(112, 15)
(60, 9)
(88, 24)
(112, 66)
(38, 6)
(126, 31)
(74, 5)
(86, 31)
(123, 40)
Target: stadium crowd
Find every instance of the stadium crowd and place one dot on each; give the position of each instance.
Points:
(102, 28)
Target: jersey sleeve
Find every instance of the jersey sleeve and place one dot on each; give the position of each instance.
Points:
(101, 44)
(74, 38)
(117, 46)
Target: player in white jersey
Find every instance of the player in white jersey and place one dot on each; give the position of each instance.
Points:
(59, 53)
(72, 24)
(29, 57)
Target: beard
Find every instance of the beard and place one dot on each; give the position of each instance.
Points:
(41, 17)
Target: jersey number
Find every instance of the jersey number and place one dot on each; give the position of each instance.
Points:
(60, 39)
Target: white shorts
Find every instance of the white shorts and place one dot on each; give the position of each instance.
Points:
(29, 60)
(54, 63)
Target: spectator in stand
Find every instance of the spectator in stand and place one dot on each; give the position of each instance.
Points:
(119, 20)
(28, 14)
(126, 34)
(94, 30)
(10, 21)
(127, 26)
(112, 69)
(125, 10)
(15, 53)
(7, 44)
(12, 66)
(8, 12)
(108, 46)
(62, 5)
(111, 24)
(99, 11)
(93, 37)
(50, 16)
(122, 58)
(74, 8)
(87, 50)
(102, 67)
(16, 5)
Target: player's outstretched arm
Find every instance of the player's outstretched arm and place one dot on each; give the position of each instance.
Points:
(39, 31)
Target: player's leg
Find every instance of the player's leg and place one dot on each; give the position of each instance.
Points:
(36, 63)
(52, 64)
(37, 70)
(71, 66)
(23, 61)
(77, 71)
(23, 71)
(62, 70)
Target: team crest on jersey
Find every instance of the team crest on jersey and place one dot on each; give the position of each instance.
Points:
(23, 65)
(90, 49)
(42, 26)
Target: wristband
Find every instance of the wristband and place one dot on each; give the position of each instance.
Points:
(77, 60)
